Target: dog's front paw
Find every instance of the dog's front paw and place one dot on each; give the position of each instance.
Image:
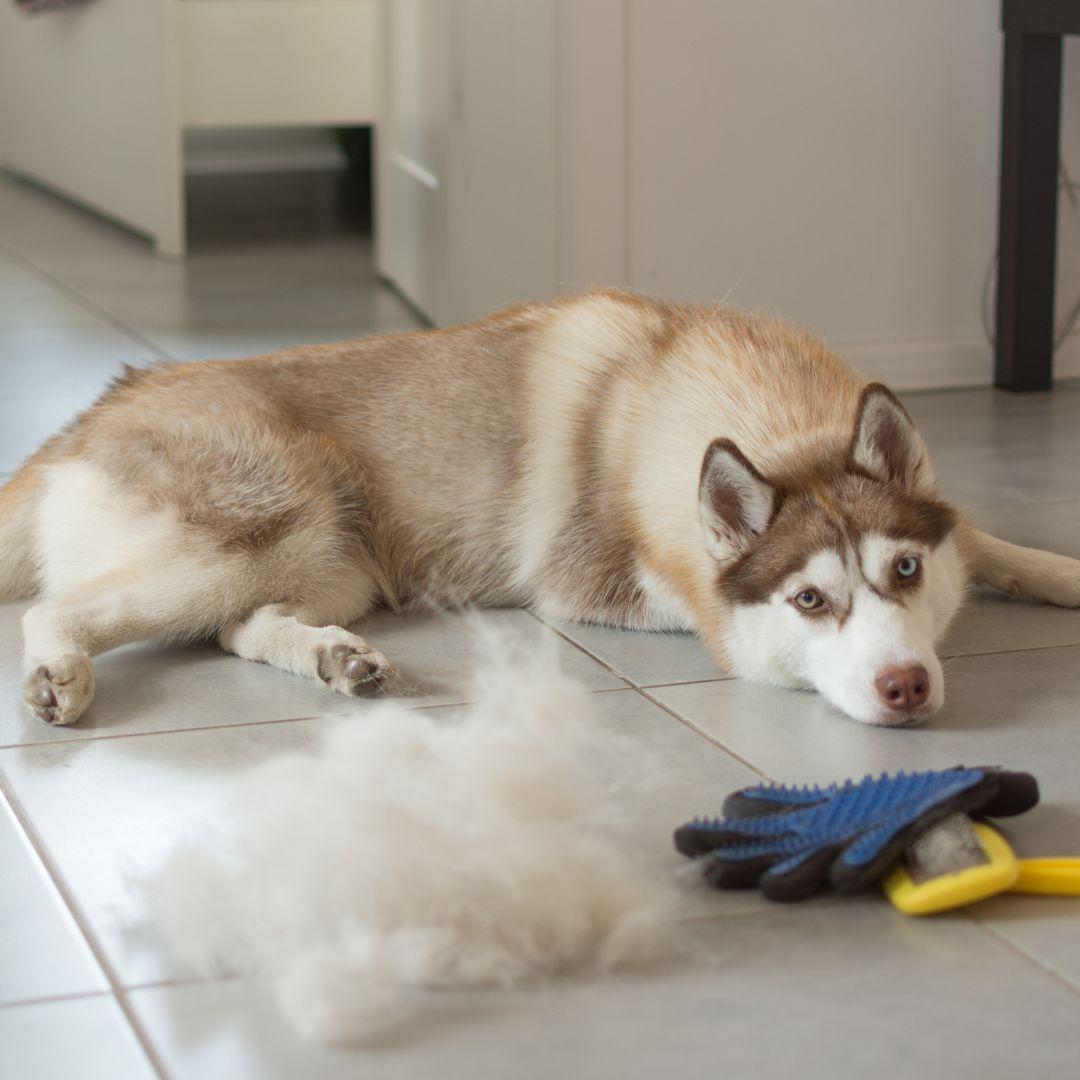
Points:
(60, 691)
(351, 666)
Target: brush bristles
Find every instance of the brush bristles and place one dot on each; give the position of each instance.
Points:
(945, 848)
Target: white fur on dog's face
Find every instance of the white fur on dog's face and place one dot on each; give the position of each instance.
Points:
(842, 577)
(864, 625)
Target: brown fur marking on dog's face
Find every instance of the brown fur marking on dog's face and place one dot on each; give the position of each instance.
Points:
(831, 514)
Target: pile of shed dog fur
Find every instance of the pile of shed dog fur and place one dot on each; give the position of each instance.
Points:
(415, 851)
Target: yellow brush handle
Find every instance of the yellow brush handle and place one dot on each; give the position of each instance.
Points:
(1049, 877)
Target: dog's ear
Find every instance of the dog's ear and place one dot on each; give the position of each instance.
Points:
(737, 502)
(887, 445)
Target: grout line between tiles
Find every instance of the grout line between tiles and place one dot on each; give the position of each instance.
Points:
(37, 743)
(1027, 504)
(1033, 958)
(944, 657)
(705, 735)
(1007, 652)
(648, 697)
(206, 727)
(83, 301)
(49, 999)
(164, 731)
(76, 912)
(193, 980)
(581, 648)
(630, 685)
(686, 682)
(245, 724)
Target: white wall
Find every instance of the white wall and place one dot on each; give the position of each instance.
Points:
(1068, 284)
(836, 161)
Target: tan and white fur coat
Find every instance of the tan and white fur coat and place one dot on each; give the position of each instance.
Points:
(606, 457)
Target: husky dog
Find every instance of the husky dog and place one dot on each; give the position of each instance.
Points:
(605, 458)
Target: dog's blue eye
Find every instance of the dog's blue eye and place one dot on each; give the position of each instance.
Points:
(907, 566)
(808, 600)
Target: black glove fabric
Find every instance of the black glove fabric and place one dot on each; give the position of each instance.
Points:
(793, 841)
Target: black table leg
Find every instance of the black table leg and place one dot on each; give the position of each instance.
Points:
(1027, 230)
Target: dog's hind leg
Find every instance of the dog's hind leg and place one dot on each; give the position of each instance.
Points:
(180, 601)
(1022, 571)
(59, 682)
(302, 638)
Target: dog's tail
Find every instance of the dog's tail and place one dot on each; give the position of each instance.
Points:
(18, 557)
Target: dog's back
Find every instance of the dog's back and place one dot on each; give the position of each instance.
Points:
(625, 395)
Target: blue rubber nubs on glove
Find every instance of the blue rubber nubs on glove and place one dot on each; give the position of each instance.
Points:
(792, 841)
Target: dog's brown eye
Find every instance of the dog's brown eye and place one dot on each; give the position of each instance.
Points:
(907, 567)
(808, 600)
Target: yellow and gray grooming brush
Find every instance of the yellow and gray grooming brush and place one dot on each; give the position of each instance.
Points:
(960, 861)
(1049, 877)
(950, 865)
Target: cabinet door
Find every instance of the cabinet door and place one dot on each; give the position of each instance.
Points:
(90, 109)
(466, 153)
(415, 135)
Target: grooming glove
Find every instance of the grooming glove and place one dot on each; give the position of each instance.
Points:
(793, 841)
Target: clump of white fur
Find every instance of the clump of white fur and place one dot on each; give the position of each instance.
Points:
(414, 851)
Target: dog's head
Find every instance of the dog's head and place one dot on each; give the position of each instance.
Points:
(843, 582)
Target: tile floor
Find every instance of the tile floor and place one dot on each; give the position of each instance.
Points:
(837, 988)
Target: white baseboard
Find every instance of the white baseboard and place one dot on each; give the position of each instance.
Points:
(933, 365)
(1067, 358)
(260, 150)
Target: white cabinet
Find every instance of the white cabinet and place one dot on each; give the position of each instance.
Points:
(466, 155)
(501, 151)
(94, 98)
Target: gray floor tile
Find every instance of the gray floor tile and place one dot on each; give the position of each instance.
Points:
(993, 623)
(79, 1039)
(147, 687)
(42, 952)
(249, 308)
(643, 658)
(63, 359)
(435, 652)
(28, 418)
(1044, 927)
(1018, 710)
(248, 296)
(797, 992)
(26, 303)
(51, 233)
(992, 448)
(251, 338)
(977, 477)
(108, 809)
(1054, 525)
(12, 275)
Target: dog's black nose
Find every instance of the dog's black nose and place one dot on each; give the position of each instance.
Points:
(903, 688)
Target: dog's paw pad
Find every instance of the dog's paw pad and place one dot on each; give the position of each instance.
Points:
(350, 669)
(61, 691)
